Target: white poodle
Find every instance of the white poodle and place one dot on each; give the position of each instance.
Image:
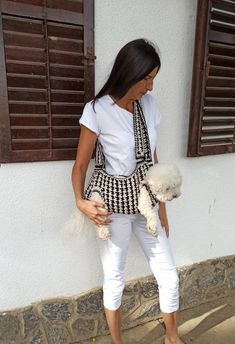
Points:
(162, 183)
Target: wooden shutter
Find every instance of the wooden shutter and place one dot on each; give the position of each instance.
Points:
(47, 74)
(212, 113)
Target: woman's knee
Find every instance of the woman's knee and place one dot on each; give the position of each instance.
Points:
(112, 292)
(170, 281)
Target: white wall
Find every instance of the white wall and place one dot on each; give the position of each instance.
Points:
(36, 198)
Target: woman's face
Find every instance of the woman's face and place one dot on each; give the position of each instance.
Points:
(142, 86)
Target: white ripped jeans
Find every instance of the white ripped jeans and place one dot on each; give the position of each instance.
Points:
(113, 253)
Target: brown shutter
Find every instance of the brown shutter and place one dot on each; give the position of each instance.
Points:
(47, 74)
(212, 115)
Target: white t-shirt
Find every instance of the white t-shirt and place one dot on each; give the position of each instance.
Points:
(113, 126)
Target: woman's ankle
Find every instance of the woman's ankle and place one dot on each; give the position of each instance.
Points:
(173, 340)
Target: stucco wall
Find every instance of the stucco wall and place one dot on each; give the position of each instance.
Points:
(36, 198)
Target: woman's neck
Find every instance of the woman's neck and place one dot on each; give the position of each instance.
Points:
(125, 103)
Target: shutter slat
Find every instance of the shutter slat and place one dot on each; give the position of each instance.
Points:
(217, 36)
(27, 95)
(66, 58)
(32, 120)
(70, 84)
(28, 108)
(222, 71)
(65, 132)
(219, 111)
(69, 96)
(24, 54)
(22, 67)
(65, 143)
(219, 102)
(223, 19)
(31, 2)
(224, 5)
(209, 131)
(66, 71)
(216, 141)
(34, 144)
(26, 25)
(59, 120)
(222, 60)
(29, 133)
(218, 48)
(68, 5)
(222, 122)
(23, 40)
(65, 31)
(67, 109)
(220, 81)
(29, 82)
(226, 92)
(66, 45)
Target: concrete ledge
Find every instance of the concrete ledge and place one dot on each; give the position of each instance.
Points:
(77, 319)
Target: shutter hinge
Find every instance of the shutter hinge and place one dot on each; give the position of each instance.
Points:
(90, 57)
(207, 68)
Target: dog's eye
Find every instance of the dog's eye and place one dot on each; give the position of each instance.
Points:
(167, 189)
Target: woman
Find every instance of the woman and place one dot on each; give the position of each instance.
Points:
(109, 118)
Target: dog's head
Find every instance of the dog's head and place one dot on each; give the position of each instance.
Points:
(164, 181)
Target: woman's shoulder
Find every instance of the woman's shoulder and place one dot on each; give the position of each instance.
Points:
(100, 102)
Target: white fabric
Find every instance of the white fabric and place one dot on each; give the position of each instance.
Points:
(113, 253)
(114, 128)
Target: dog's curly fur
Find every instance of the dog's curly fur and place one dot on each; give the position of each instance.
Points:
(163, 180)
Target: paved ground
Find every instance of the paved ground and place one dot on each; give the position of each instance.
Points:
(211, 323)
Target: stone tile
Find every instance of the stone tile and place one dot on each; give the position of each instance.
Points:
(31, 321)
(38, 338)
(9, 328)
(146, 312)
(217, 292)
(231, 280)
(57, 334)
(129, 303)
(191, 294)
(56, 310)
(84, 328)
(91, 303)
(149, 289)
(132, 288)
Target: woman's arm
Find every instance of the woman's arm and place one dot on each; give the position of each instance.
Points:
(162, 206)
(84, 153)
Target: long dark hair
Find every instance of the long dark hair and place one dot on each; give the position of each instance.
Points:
(132, 64)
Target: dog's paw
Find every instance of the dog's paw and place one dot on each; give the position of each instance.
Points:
(103, 232)
(152, 227)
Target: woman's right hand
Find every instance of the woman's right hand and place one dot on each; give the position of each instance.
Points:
(95, 211)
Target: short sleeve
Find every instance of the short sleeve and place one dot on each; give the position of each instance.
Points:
(89, 118)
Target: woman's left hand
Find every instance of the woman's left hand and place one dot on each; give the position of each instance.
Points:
(163, 217)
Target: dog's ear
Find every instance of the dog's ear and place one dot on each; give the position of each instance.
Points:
(154, 186)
